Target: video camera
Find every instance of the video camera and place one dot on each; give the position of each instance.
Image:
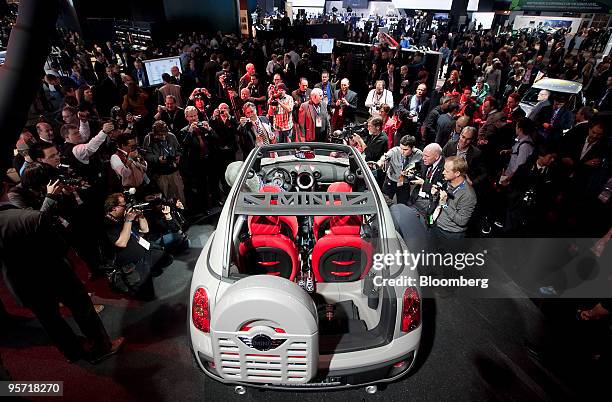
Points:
(344, 136)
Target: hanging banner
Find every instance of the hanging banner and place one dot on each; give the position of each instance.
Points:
(570, 6)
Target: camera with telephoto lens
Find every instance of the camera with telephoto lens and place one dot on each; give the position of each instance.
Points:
(68, 177)
(345, 135)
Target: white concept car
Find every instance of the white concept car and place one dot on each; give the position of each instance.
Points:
(287, 294)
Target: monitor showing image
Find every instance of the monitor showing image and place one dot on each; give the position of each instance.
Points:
(324, 46)
(156, 67)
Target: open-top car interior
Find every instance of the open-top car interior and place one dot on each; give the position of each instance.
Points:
(314, 220)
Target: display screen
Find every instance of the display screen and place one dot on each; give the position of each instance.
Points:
(325, 46)
(156, 67)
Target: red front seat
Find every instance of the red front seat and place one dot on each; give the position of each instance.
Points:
(268, 251)
(321, 223)
(289, 223)
(342, 255)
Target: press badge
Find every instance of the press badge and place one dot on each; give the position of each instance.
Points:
(319, 122)
(145, 244)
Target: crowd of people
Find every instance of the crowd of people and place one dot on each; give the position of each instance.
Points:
(118, 164)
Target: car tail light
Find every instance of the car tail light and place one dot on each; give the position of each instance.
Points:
(200, 310)
(411, 310)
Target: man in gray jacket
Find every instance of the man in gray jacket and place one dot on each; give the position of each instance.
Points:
(399, 161)
(457, 201)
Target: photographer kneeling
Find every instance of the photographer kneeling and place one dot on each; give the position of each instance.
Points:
(134, 258)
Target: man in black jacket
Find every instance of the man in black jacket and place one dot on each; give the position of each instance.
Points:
(375, 144)
(464, 147)
(43, 278)
(430, 125)
(431, 173)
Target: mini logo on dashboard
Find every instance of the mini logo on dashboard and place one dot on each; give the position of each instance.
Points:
(261, 342)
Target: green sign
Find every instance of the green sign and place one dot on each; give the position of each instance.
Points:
(570, 6)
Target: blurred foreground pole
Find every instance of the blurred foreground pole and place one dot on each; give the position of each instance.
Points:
(20, 76)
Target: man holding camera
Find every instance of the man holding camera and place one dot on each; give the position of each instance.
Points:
(431, 173)
(376, 142)
(345, 106)
(129, 165)
(198, 162)
(457, 201)
(131, 253)
(377, 97)
(162, 154)
(171, 114)
(80, 154)
(280, 109)
(400, 163)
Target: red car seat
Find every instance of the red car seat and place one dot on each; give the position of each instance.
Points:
(342, 255)
(268, 251)
(289, 223)
(321, 223)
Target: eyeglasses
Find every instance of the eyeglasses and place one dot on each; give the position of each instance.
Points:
(467, 138)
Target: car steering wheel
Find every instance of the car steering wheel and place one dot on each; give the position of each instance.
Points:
(279, 177)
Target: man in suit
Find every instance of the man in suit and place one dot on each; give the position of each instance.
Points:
(253, 130)
(583, 153)
(186, 82)
(100, 66)
(431, 173)
(300, 95)
(313, 119)
(392, 79)
(345, 105)
(554, 119)
(543, 101)
(209, 71)
(139, 74)
(464, 147)
(108, 92)
(416, 106)
(580, 129)
(328, 88)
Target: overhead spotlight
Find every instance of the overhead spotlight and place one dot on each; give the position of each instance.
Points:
(334, 10)
(349, 10)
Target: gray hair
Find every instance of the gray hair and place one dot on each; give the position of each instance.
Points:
(190, 108)
(470, 128)
(434, 147)
(316, 91)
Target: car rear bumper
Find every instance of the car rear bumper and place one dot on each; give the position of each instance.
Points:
(343, 370)
(332, 380)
